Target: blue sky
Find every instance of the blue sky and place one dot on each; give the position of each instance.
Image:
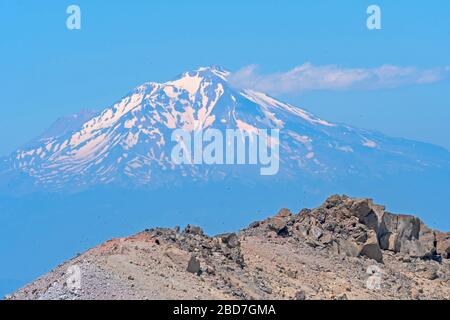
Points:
(48, 71)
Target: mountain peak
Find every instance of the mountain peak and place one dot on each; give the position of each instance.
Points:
(208, 72)
(216, 70)
(200, 79)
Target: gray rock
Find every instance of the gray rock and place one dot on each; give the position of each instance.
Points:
(284, 213)
(361, 237)
(408, 228)
(193, 230)
(316, 232)
(301, 230)
(313, 243)
(231, 240)
(424, 246)
(283, 232)
(194, 265)
(396, 230)
(342, 296)
(388, 241)
(334, 201)
(279, 225)
(300, 295)
(210, 270)
(348, 248)
(371, 249)
(276, 224)
(432, 274)
(254, 224)
(443, 244)
(327, 238)
(362, 209)
(263, 287)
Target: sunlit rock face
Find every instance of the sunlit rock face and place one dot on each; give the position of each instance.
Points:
(129, 144)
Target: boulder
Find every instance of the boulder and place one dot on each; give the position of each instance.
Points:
(431, 274)
(304, 213)
(371, 248)
(379, 210)
(361, 237)
(395, 230)
(194, 265)
(284, 213)
(279, 225)
(316, 232)
(387, 241)
(301, 230)
(334, 201)
(300, 295)
(341, 296)
(327, 238)
(362, 209)
(408, 227)
(254, 224)
(426, 242)
(177, 256)
(193, 230)
(443, 244)
(387, 231)
(366, 229)
(283, 232)
(320, 215)
(348, 248)
(231, 240)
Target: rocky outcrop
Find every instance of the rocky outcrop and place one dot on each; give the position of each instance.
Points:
(407, 234)
(371, 248)
(336, 251)
(358, 227)
(194, 266)
(443, 244)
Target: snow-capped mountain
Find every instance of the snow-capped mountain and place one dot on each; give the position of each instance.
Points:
(97, 175)
(129, 143)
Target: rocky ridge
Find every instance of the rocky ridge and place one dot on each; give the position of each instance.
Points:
(345, 249)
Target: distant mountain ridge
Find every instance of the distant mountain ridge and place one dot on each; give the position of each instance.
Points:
(66, 124)
(128, 144)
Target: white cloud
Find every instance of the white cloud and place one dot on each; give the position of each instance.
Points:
(308, 77)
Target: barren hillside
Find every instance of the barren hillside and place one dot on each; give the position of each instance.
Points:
(345, 249)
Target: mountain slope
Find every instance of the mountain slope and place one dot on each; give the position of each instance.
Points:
(129, 144)
(336, 251)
